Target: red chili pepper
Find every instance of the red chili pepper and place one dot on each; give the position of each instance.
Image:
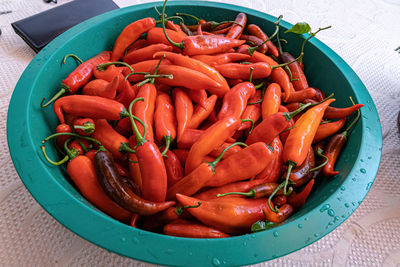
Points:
(252, 113)
(327, 129)
(165, 122)
(199, 97)
(262, 48)
(219, 59)
(140, 43)
(79, 77)
(299, 79)
(174, 168)
(84, 126)
(184, 228)
(101, 88)
(256, 30)
(194, 64)
(184, 110)
(236, 29)
(319, 96)
(230, 215)
(199, 30)
(233, 82)
(201, 113)
(211, 139)
(111, 139)
(62, 128)
(334, 148)
(297, 200)
(185, 29)
(127, 94)
(109, 73)
(235, 101)
(76, 147)
(172, 26)
(284, 212)
(337, 113)
(134, 220)
(299, 96)
(156, 36)
(218, 151)
(145, 53)
(129, 35)
(301, 174)
(242, 71)
(253, 159)
(271, 101)
(273, 171)
(146, 66)
(134, 168)
(279, 200)
(94, 107)
(260, 190)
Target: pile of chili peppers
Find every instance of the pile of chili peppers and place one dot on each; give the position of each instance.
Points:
(203, 131)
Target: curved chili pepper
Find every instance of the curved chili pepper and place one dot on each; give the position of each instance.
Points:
(335, 146)
(183, 153)
(129, 35)
(109, 74)
(297, 200)
(272, 100)
(235, 101)
(184, 228)
(257, 191)
(194, 64)
(173, 167)
(319, 96)
(62, 128)
(84, 126)
(141, 68)
(127, 94)
(219, 59)
(284, 212)
(242, 71)
(140, 43)
(152, 168)
(79, 77)
(111, 139)
(230, 215)
(94, 107)
(145, 53)
(185, 29)
(257, 31)
(219, 150)
(99, 87)
(190, 136)
(172, 26)
(299, 79)
(165, 121)
(191, 79)
(156, 36)
(184, 110)
(301, 174)
(300, 137)
(76, 147)
(199, 97)
(253, 159)
(273, 171)
(327, 129)
(211, 139)
(272, 126)
(252, 39)
(116, 189)
(337, 113)
(299, 96)
(236, 29)
(134, 168)
(196, 179)
(252, 112)
(201, 113)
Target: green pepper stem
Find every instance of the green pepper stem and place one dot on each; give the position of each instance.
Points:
(254, 48)
(252, 124)
(103, 67)
(291, 165)
(251, 74)
(87, 127)
(140, 139)
(290, 115)
(125, 148)
(320, 153)
(179, 210)
(71, 153)
(178, 45)
(250, 193)
(84, 148)
(279, 187)
(65, 159)
(190, 16)
(73, 56)
(133, 73)
(300, 57)
(73, 135)
(345, 132)
(64, 89)
(167, 141)
(214, 163)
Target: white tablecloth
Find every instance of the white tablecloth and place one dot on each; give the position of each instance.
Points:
(365, 34)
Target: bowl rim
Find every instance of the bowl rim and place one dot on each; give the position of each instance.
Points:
(127, 241)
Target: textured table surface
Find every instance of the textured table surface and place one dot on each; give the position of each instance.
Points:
(365, 34)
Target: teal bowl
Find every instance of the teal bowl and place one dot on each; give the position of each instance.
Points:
(328, 207)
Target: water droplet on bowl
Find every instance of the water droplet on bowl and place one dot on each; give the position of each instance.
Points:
(169, 251)
(369, 157)
(216, 262)
(316, 235)
(336, 218)
(331, 212)
(361, 160)
(354, 179)
(123, 239)
(300, 226)
(368, 186)
(342, 188)
(362, 170)
(275, 234)
(346, 205)
(325, 207)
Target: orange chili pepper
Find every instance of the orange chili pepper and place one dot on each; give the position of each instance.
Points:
(235, 101)
(242, 71)
(257, 31)
(219, 59)
(272, 100)
(184, 228)
(165, 121)
(201, 113)
(184, 110)
(327, 129)
(145, 53)
(337, 113)
(236, 29)
(299, 96)
(99, 87)
(199, 97)
(252, 113)
(273, 171)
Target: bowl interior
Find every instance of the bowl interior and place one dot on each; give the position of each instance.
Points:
(329, 205)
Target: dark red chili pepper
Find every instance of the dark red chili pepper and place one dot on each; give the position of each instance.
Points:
(233, 82)
(184, 110)
(252, 113)
(184, 228)
(165, 122)
(79, 77)
(235, 101)
(319, 96)
(230, 215)
(255, 41)
(297, 200)
(337, 113)
(301, 174)
(129, 35)
(299, 78)
(201, 113)
(258, 191)
(284, 212)
(242, 71)
(172, 26)
(140, 43)
(174, 168)
(134, 220)
(236, 29)
(328, 129)
(185, 29)
(256, 30)
(116, 189)
(84, 126)
(219, 59)
(99, 87)
(94, 107)
(145, 53)
(279, 200)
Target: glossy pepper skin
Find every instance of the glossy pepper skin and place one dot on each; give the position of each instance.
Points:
(257, 31)
(208, 44)
(327, 129)
(173, 167)
(332, 151)
(235, 101)
(184, 111)
(297, 200)
(236, 29)
(185, 228)
(219, 59)
(252, 112)
(165, 122)
(116, 189)
(242, 71)
(99, 87)
(130, 34)
(284, 212)
(337, 113)
(271, 101)
(145, 53)
(211, 139)
(301, 174)
(299, 96)
(297, 72)
(62, 128)
(230, 215)
(201, 113)
(199, 97)
(300, 137)
(94, 107)
(273, 171)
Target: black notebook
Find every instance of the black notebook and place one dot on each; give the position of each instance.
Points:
(38, 30)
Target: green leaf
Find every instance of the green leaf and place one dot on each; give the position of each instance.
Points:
(300, 28)
(262, 225)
